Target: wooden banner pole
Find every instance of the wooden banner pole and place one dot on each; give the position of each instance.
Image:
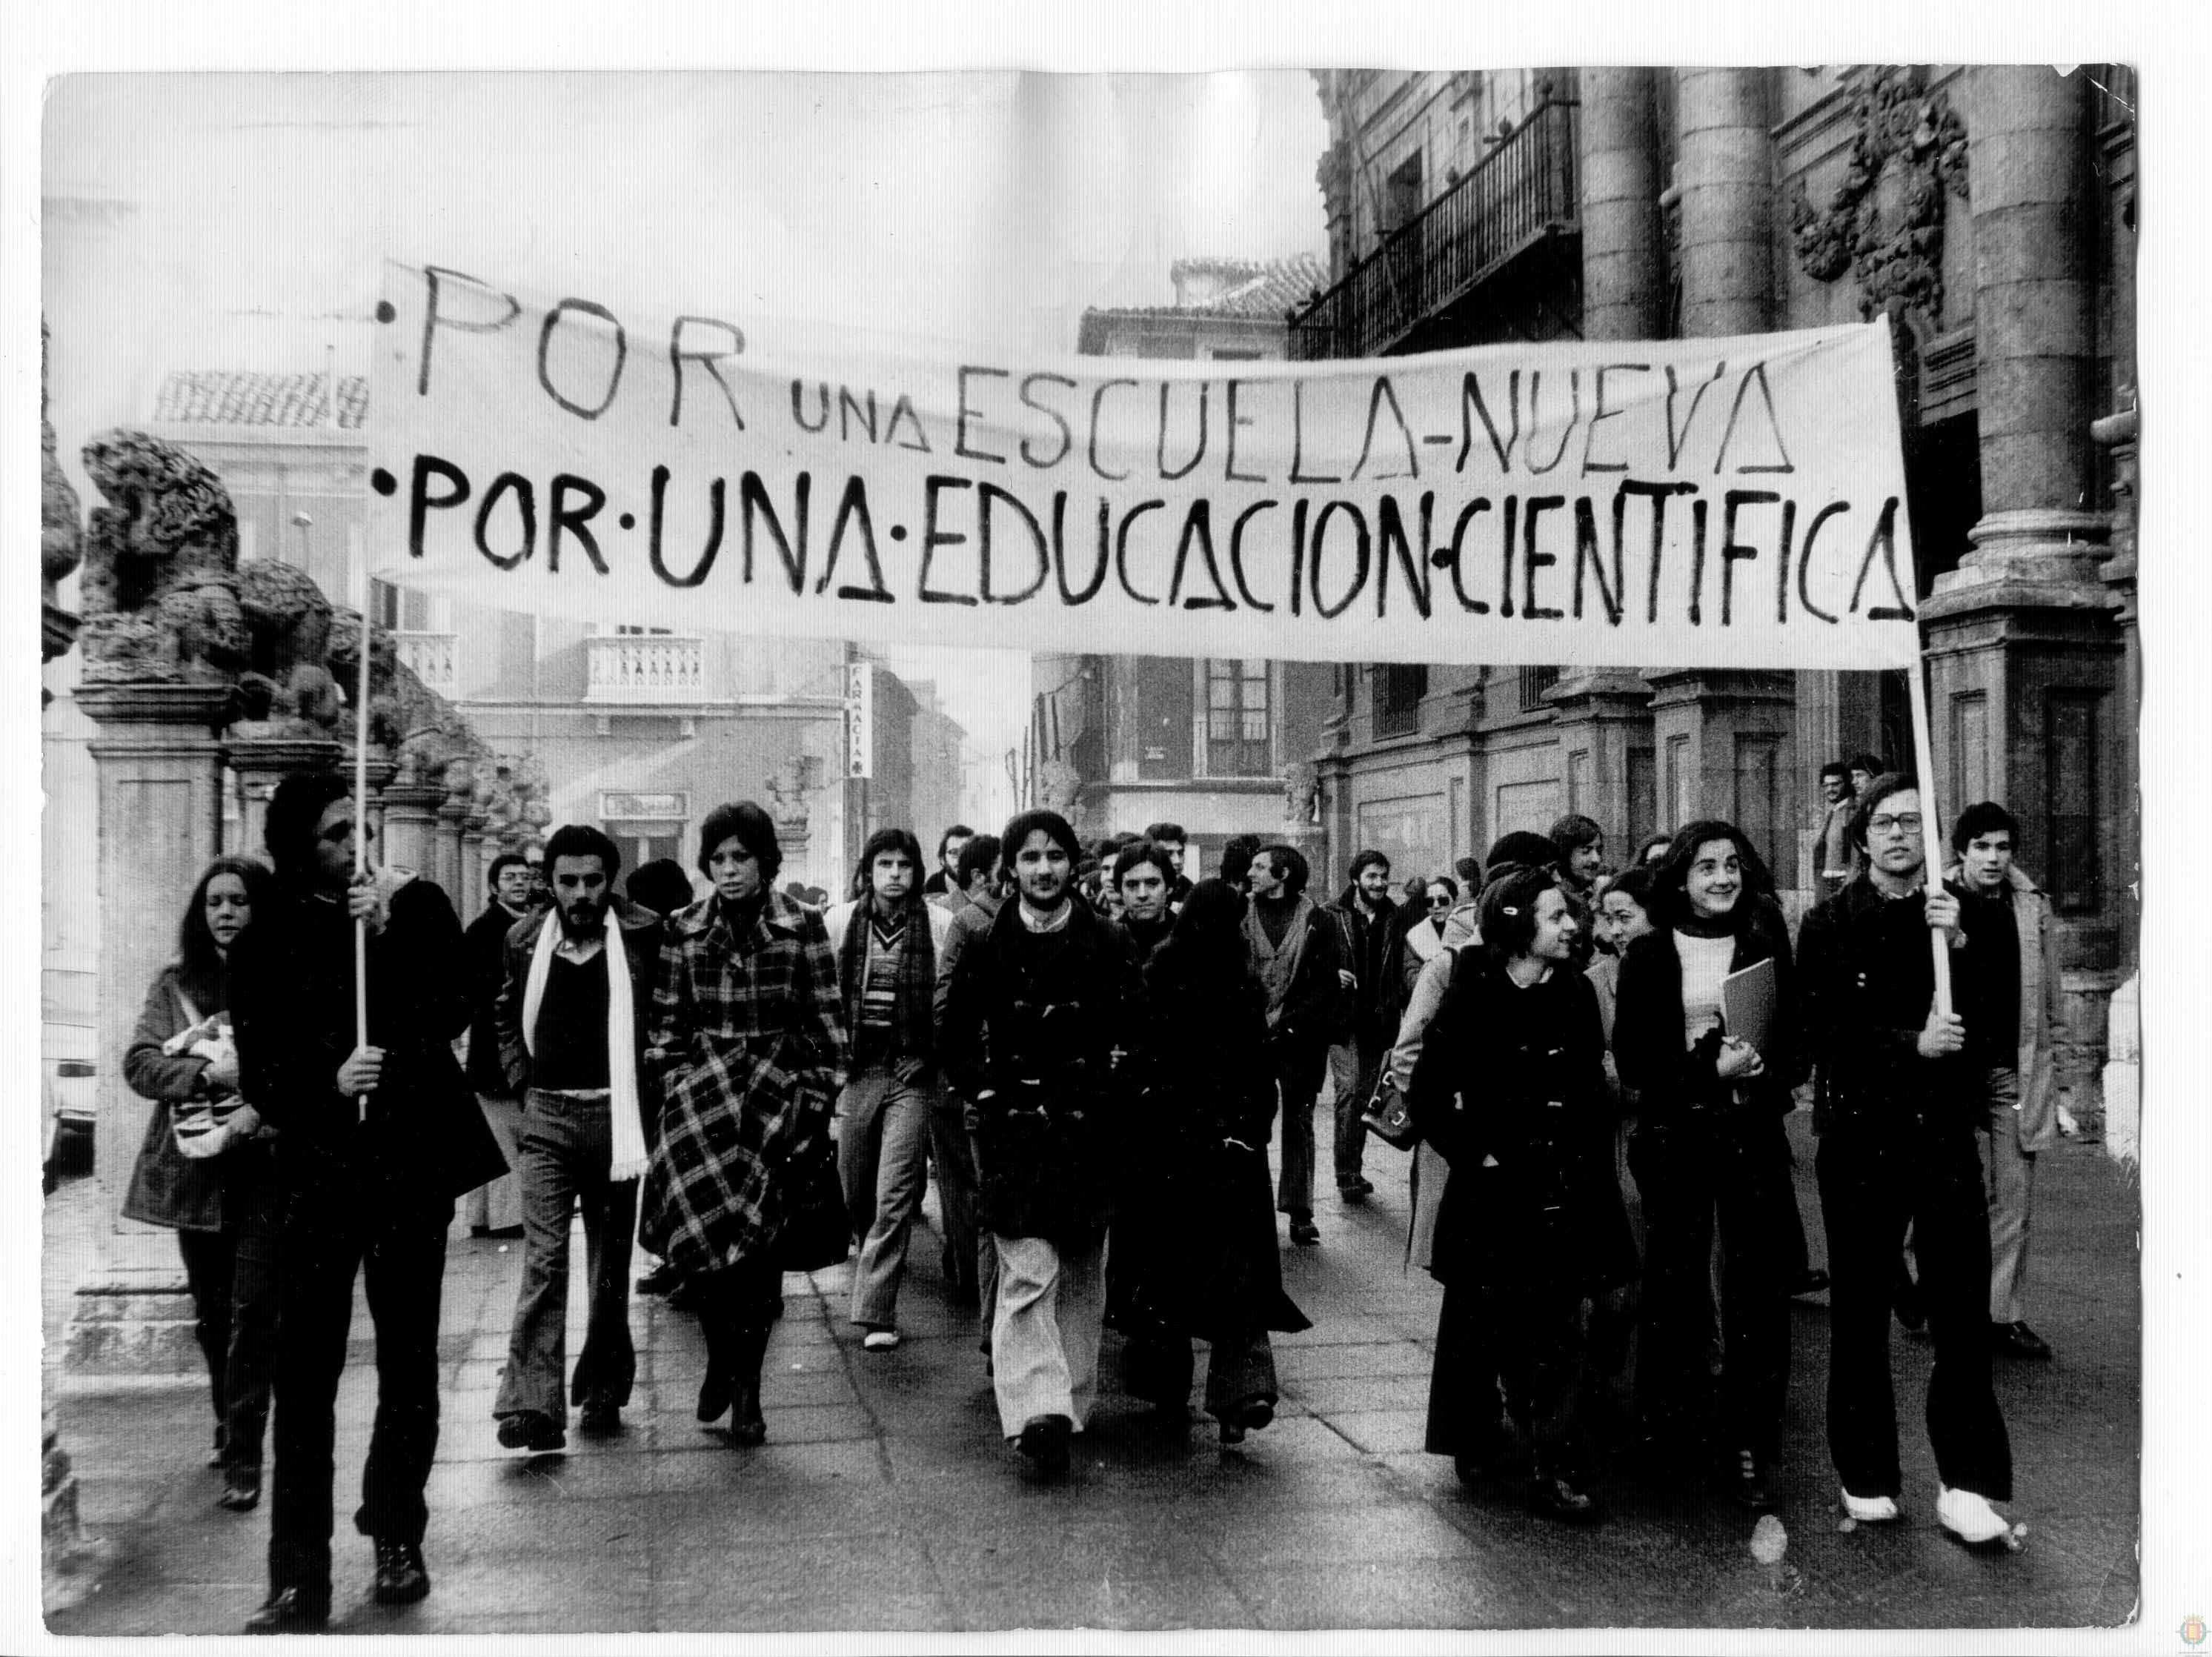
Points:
(1924, 767)
(361, 813)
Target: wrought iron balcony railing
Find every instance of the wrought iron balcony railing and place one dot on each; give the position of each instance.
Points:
(1518, 195)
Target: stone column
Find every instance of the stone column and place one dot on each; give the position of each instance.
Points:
(159, 772)
(380, 772)
(1724, 743)
(1604, 713)
(1725, 748)
(1624, 260)
(1602, 716)
(1724, 169)
(2118, 435)
(261, 763)
(2024, 652)
(467, 891)
(445, 866)
(411, 823)
(2034, 334)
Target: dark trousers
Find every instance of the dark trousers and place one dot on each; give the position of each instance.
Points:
(1874, 1182)
(1529, 1339)
(398, 1245)
(233, 1276)
(954, 1160)
(1157, 1365)
(563, 1153)
(1354, 1066)
(1690, 1176)
(1297, 1066)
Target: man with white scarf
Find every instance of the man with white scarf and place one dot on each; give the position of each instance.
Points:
(571, 1033)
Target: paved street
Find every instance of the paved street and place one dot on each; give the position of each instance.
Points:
(884, 1498)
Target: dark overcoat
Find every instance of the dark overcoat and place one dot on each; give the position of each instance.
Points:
(1030, 1031)
(1194, 1220)
(292, 1009)
(1509, 1089)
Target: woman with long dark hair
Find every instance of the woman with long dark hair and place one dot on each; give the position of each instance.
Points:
(1710, 1146)
(1509, 1089)
(203, 1168)
(1194, 1232)
(749, 1031)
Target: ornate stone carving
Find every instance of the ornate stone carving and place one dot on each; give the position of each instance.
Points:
(160, 585)
(788, 787)
(1886, 221)
(1302, 792)
(290, 690)
(424, 734)
(511, 797)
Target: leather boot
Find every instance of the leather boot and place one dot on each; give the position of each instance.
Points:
(716, 1391)
(749, 1348)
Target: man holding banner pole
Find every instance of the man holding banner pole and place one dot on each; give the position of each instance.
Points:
(378, 1133)
(1899, 1149)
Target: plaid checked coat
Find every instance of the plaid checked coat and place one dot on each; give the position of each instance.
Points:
(750, 1036)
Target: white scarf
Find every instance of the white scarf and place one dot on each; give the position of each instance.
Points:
(629, 1162)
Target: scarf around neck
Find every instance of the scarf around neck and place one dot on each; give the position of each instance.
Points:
(628, 1129)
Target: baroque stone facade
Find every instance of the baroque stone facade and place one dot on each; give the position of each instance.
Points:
(1989, 212)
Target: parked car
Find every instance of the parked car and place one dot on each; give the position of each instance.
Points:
(69, 1119)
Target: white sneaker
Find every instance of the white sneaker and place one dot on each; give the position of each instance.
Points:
(1869, 1509)
(880, 1340)
(1968, 1516)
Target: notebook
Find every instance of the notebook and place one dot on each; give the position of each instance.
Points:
(1747, 1004)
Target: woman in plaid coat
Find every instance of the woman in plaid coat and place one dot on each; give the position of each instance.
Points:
(750, 1036)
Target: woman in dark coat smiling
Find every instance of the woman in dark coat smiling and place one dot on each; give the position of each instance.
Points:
(1511, 1090)
(1711, 1141)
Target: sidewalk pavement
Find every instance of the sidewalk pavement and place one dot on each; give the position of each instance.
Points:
(884, 1497)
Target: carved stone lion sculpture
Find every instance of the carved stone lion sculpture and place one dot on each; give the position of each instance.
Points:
(424, 734)
(290, 691)
(160, 588)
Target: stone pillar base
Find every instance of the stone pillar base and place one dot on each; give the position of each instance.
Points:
(2036, 545)
(133, 1325)
(70, 1562)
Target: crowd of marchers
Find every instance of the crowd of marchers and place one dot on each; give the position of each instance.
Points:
(1092, 1054)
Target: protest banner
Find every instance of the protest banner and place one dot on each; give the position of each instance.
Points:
(1721, 502)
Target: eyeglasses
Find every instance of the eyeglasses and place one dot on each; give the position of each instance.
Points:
(1908, 823)
(339, 831)
(1442, 900)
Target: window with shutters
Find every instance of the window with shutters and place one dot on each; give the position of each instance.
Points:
(1239, 742)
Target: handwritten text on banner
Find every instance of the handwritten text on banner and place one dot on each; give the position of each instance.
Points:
(1731, 503)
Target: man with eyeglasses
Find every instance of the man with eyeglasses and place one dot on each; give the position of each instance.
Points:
(375, 1140)
(1899, 1148)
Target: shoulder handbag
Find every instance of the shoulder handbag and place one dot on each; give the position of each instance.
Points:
(817, 1229)
(201, 1127)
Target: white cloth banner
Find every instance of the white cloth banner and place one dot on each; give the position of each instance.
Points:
(1722, 503)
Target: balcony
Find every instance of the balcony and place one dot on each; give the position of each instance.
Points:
(434, 657)
(1517, 197)
(645, 670)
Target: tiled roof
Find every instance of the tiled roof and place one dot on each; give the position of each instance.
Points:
(231, 398)
(1255, 288)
